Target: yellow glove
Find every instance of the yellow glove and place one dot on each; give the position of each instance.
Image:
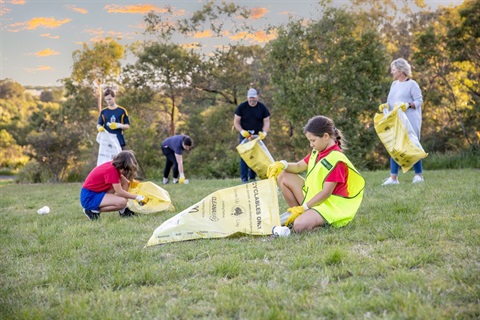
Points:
(383, 106)
(115, 125)
(296, 212)
(100, 129)
(181, 180)
(404, 106)
(276, 168)
(245, 133)
(134, 183)
(262, 135)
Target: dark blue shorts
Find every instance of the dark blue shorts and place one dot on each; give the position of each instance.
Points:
(91, 200)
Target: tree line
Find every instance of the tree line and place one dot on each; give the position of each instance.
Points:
(336, 65)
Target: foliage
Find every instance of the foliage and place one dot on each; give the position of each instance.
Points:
(11, 154)
(411, 256)
(97, 65)
(325, 68)
(10, 89)
(56, 142)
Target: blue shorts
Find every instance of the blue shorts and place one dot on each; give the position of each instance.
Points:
(91, 200)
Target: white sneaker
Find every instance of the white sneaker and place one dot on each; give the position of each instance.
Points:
(390, 181)
(417, 179)
(165, 180)
(281, 231)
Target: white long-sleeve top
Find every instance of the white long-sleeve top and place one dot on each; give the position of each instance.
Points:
(407, 91)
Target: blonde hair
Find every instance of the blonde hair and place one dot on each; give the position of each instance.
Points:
(403, 66)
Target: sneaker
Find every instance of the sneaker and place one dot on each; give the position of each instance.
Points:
(175, 181)
(390, 181)
(91, 214)
(165, 180)
(125, 213)
(281, 231)
(417, 179)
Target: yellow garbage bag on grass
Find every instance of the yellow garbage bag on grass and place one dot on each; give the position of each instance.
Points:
(158, 198)
(256, 156)
(399, 138)
(250, 208)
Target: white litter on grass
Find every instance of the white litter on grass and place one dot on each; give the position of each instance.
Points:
(43, 210)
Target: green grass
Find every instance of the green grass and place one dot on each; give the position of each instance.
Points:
(412, 252)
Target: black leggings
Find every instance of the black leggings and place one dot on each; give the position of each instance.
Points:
(171, 161)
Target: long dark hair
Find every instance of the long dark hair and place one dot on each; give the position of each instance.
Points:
(319, 125)
(126, 160)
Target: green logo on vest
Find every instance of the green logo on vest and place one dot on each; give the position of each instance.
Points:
(326, 164)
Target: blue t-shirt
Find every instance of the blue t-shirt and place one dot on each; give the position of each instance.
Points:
(252, 117)
(119, 115)
(174, 143)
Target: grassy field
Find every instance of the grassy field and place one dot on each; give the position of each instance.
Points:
(412, 252)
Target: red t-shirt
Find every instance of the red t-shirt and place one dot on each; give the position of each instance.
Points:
(339, 174)
(102, 177)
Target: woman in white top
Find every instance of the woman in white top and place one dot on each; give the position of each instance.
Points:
(406, 90)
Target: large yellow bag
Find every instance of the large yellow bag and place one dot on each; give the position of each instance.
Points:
(256, 156)
(250, 208)
(398, 137)
(158, 198)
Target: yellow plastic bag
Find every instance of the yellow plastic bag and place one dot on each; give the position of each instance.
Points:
(158, 198)
(250, 208)
(256, 156)
(397, 135)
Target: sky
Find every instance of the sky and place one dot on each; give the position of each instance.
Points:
(38, 37)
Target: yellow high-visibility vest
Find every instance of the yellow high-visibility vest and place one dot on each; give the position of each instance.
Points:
(336, 210)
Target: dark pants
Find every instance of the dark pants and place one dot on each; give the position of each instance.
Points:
(171, 161)
(246, 173)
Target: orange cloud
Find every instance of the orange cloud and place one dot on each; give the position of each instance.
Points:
(48, 35)
(17, 1)
(257, 13)
(50, 23)
(3, 10)
(39, 68)
(47, 52)
(76, 9)
(203, 34)
(95, 32)
(139, 8)
(258, 36)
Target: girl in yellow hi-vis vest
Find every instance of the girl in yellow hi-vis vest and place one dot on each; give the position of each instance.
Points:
(332, 190)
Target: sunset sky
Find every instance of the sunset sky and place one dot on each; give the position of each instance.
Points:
(37, 37)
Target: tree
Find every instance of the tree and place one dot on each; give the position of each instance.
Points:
(168, 68)
(334, 67)
(55, 143)
(97, 65)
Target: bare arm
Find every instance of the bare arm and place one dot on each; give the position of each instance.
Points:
(119, 191)
(298, 167)
(236, 123)
(266, 124)
(179, 159)
(322, 195)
